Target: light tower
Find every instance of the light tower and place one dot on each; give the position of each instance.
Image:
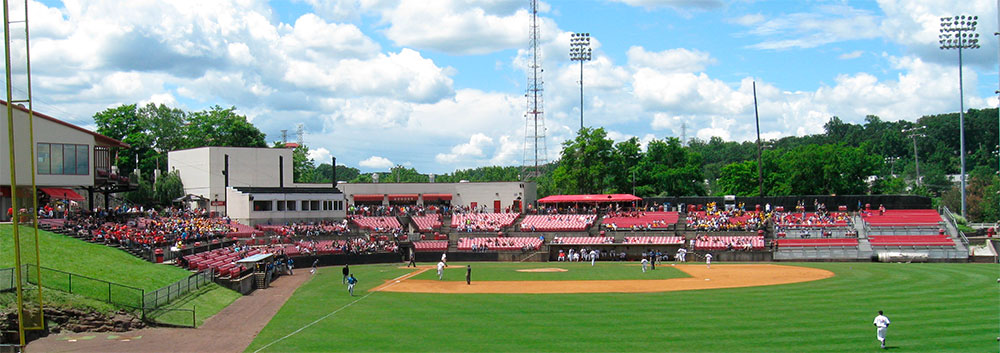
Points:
(535, 150)
(579, 50)
(959, 32)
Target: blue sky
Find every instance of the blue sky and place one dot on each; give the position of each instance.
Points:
(438, 84)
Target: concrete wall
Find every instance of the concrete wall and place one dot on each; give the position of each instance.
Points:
(201, 168)
(239, 207)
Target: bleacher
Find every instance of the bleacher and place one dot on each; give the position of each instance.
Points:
(377, 224)
(322, 247)
(430, 246)
(499, 243)
(936, 240)
(243, 231)
(668, 240)
(737, 242)
(583, 240)
(557, 223)
(820, 242)
(714, 222)
(903, 218)
(428, 223)
(222, 261)
(812, 220)
(482, 222)
(639, 220)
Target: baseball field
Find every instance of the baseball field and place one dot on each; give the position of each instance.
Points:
(801, 307)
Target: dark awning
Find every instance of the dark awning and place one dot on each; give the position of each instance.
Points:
(590, 198)
(368, 197)
(433, 197)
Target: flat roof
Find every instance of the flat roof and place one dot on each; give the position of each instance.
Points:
(255, 258)
(287, 190)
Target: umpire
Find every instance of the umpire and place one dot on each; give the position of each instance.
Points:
(347, 271)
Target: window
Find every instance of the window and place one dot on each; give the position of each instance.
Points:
(305, 205)
(43, 158)
(327, 205)
(262, 205)
(314, 205)
(63, 159)
(281, 205)
(338, 205)
(290, 205)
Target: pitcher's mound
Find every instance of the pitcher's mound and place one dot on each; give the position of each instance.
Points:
(550, 269)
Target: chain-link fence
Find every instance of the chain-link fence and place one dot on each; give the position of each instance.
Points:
(165, 295)
(109, 292)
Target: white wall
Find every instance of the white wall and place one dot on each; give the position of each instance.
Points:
(45, 131)
(201, 168)
(463, 194)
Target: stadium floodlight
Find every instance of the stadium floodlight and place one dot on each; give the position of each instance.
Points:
(959, 32)
(579, 50)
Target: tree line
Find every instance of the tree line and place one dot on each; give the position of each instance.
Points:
(873, 157)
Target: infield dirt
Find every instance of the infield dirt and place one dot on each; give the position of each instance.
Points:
(719, 276)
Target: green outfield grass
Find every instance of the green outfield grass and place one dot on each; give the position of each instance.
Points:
(933, 307)
(507, 271)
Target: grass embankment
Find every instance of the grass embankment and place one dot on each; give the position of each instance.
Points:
(64, 253)
(933, 307)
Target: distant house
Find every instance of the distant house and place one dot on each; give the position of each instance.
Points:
(69, 160)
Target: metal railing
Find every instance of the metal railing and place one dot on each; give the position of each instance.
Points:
(170, 292)
(950, 219)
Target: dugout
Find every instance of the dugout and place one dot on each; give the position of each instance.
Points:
(263, 268)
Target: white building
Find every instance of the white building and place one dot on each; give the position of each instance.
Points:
(69, 160)
(254, 185)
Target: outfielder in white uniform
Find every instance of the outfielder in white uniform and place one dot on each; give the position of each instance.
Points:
(644, 263)
(440, 270)
(593, 257)
(708, 260)
(881, 326)
(444, 258)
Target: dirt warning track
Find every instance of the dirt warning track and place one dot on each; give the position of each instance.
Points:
(719, 276)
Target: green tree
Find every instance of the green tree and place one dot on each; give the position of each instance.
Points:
(669, 169)
(168, 188)
(738, 179)
(585, 164)
(219, 126)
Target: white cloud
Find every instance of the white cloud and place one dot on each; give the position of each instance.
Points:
(471, 149)
(828, 24)
(671, 60)
(749, 20)
(696, 4)
(852, 55)
(457, 27)
(319, 155)
(376, 162)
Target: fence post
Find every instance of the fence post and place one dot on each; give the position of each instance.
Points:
(71, 283)
(194, 322)
(109, 292)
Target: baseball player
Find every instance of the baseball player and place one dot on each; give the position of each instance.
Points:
(351, 281)
(468, 274)
(441, 266)
(708, 260)
(644, 263)
(881, 326)
(444, 259)
(593, 257)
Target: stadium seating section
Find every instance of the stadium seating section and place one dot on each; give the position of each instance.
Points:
(729, 242)
(482, 222)
(430, 245)
(851, 242)
(798, 220)
(718, 222)
(640, 220)
(911, 240)
(557, 223)
(378, 224)
(671, 240)
(903, 218)
(222, 261)
(428, 223)
(500, 243)
(582, 240)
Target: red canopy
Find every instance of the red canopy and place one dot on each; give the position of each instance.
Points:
(443, 197)
(62, 194)
(368, 197)
(590, 198)
(402, 197)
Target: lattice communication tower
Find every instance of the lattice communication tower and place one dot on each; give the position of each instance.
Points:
(535, 151)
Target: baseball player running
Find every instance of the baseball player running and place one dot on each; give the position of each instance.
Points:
(441, 270)
(351, 281)
(881, 326)
(708, 260)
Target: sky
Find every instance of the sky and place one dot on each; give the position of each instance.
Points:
(439, 85)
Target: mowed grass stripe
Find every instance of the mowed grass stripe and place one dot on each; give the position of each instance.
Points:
(934, 308)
